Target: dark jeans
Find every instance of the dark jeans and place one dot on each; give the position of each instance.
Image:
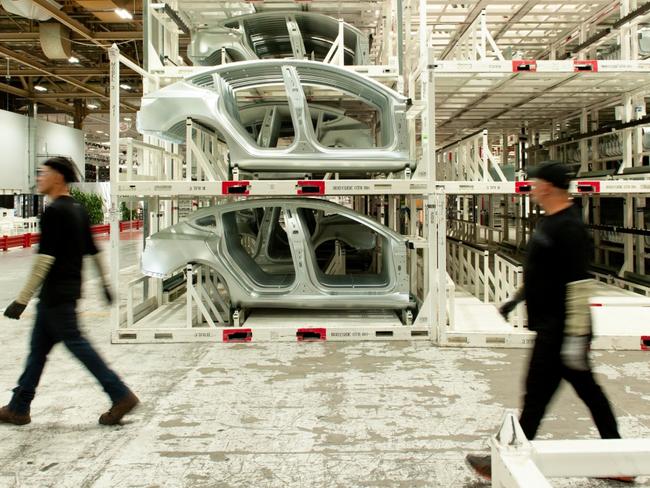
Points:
(544, 375)
(58, 323)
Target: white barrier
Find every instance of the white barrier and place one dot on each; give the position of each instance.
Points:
(468, 267)
(622, 283)
(520, 463)
(490, 278)
(507, 278)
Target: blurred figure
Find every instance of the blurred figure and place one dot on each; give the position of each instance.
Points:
(65, 239)
(557, 288)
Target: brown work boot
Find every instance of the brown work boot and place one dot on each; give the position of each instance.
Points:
(10, 417)
(482, 465)
(119, 409)
(620, 479)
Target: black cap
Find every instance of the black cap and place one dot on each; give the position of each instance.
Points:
(555, 172)
(65, 166)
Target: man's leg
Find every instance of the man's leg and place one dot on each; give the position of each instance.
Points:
(40, 345)
(590, 392)
(84, 352)
(544, 376)
(65, 321)
(123, 400)
(592, 395)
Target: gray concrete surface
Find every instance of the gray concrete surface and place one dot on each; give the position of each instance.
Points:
(279, 414)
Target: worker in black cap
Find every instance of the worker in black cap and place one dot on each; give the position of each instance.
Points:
(65, 239)
(557, 288)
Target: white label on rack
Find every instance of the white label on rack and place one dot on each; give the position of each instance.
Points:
(611, 186)
(623, 66)
(335, 188)
(473, 66)
(554, 66)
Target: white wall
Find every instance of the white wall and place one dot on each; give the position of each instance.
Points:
(51, 140)
(13, 152)
(59, 140)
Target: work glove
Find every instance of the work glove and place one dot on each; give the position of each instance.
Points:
(506, 307)
(108, 295)
(575, 352)
(15, 310)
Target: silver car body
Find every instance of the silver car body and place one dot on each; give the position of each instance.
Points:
(267, 35)
(209, 97)
(259, 229)
(332, 128)
(212, 237)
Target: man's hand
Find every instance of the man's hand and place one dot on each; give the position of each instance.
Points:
(15, 310)
(506, 307)
(575, 352)
(108, 296)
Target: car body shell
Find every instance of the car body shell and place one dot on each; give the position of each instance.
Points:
(283, 34)
(218, 245)
(209, 97)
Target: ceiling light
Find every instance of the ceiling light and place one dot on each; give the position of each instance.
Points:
(157, 5)
(99, 131)
(123, 14)
(92, 105)
(71, 122)
(73, 60)
(128, 119)
(40, 88)
(124, 86)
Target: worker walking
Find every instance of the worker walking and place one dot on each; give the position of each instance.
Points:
(557, 289)
(65, 239)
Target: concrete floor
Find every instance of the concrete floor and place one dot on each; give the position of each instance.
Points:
(371, 414)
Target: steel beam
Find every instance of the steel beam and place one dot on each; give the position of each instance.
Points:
(19, 92)
(464, 26)
(75, 72)
(97, 36)
(8, 53)
(56, 95)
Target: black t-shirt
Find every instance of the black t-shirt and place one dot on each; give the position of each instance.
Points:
(65, 235)
(557, 254)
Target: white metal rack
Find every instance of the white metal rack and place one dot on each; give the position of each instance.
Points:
(469, 95)
(518, 462)
(165, 184)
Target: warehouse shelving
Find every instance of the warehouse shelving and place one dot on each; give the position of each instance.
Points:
(492, 102)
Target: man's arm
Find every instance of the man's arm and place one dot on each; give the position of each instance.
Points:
(579, 288)
(99, 266)
(509, 305)
(91, 248)
(41, 267)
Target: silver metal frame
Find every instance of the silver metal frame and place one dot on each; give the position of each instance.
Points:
(209, 97)
(251, 286)
(277, 34)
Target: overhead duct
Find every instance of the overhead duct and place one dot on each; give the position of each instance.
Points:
(55, 40)
(28, 9)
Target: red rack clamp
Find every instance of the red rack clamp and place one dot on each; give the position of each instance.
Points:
(310, 187)
(523, 187)
(588, 186)
(237, 335)
(519, 65)
(645, 343)
(235, 187)
(311, 334)
(585, 65)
